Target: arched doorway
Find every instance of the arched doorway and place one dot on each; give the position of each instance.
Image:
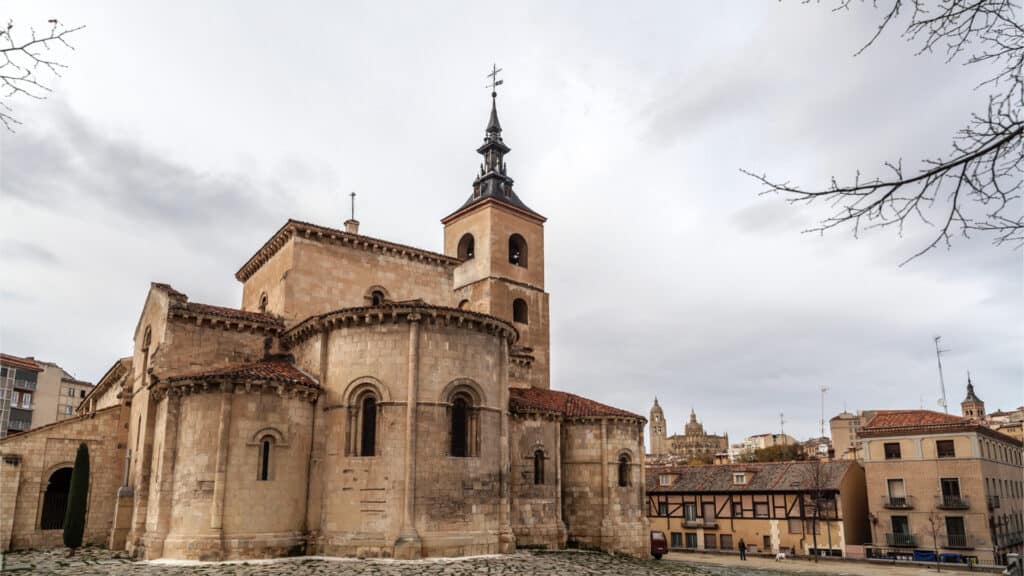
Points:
(55, 500)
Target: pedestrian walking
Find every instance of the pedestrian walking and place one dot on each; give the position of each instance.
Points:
(743, 549)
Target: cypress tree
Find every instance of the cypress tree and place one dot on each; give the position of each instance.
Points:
(78, 495)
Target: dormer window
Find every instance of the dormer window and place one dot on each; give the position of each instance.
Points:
(739, 478)
(664, 480)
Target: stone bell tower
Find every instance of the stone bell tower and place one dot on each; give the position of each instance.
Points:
(658, 431)
(972, 407)
(500, 241)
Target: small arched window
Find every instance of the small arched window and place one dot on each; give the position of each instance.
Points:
(517, 252)
(368, 426)
(460, 427)
(147, 339)
(266, 446)
(377, 297)
(467, 247)
(463, 304)
(263, 303)
(538, 467)
(623, 470)
(520, 312)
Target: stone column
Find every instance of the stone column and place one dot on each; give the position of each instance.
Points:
(160, 516)
(604, 482)
(506, 537)
(314, 476)
(227, 391)
(409, 545)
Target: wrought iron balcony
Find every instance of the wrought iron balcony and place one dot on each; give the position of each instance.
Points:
(900, 540)
(20, 384)
(946, 502)
(897, 502)
(957, 541)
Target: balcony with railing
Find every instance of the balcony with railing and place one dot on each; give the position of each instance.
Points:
(692, 523)
(949, 502)
(710, 523)
(900, 540)
(993, 502)
(897, 502)
(957, 541)
(19, 384)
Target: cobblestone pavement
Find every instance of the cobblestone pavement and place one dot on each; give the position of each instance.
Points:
(93, 561)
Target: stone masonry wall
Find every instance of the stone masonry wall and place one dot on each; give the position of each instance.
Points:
(45, 450)
(536, 508)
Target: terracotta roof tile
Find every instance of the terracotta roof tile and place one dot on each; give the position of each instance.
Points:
(904, 418)
(273, 370)
(760, 477)
(533, 400)
(890, 422)
(19, 362)
(224, 312)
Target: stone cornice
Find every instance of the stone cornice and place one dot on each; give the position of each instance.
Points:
(212, 319)
(399, 312)
(231, 384)
(502, 279)
(496, 204)
(296, 228)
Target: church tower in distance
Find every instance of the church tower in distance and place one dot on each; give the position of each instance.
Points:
(500, 241)
(659, 434)
(972, 407)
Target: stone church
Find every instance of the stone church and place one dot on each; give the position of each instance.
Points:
(366, 399)
(693, 445)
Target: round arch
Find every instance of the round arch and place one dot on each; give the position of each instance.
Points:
(467, 247)
(518, 251)
(467, 386)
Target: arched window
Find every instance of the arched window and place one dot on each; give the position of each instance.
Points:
(55, 500)
(517, 250)
(147, 339)
(266, 446)
(467, 247)
(377, 297)
(538, 467)
(368, 426)
(460, 427)
(263, 303)
(463, 304)
(623, 470)
(519, 311)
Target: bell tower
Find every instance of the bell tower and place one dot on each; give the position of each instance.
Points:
(972, 407)
(500, 241)
(659, 434)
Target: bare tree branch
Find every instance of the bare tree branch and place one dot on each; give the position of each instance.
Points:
(976, 187)
(25, 64)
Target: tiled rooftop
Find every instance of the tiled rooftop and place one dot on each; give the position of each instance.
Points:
(534, 400)
(272, 370)
(759, 477)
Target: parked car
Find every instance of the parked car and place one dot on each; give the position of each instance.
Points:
(659, 545)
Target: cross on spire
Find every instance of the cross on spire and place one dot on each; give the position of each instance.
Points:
(494, 80)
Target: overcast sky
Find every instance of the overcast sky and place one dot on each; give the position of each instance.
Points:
(185, 133)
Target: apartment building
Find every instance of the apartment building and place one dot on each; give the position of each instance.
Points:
(18, 386)
(942, 482)
(58, 395)
(805, 507)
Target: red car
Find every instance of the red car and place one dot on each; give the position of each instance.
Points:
(659, 545)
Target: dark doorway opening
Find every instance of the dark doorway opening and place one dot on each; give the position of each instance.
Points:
(55, 500)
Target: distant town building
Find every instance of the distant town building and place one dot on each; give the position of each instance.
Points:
(1010, 423)
(938, 481)
(18, 385)
(820, 448)
(693, 444)
(845, 430)
(772, 507)
(58, 394)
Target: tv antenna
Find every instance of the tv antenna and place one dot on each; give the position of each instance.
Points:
(942, 382)
(823, 390)
(782, 427)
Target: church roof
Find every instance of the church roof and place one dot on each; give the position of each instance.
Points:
(760, 477)
(971, 396)
(271, 370)
(538, 400)
(230, 313)
(325, 234)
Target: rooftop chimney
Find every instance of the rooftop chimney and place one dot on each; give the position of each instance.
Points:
(352, 226)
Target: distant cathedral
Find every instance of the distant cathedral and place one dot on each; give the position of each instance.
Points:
(693, 444)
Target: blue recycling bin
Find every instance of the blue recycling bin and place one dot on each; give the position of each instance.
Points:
(924, 556)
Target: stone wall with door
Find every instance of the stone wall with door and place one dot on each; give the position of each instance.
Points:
(34, 470)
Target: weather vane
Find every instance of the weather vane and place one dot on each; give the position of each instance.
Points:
(494, 80)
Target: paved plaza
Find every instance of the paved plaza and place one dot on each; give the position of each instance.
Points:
(102, 562)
